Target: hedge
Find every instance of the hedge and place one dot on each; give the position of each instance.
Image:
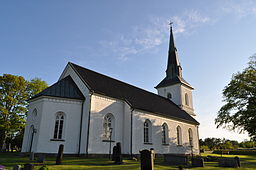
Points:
(236, 152)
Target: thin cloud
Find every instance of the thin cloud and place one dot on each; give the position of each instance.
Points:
(143, 38)
(240, 8)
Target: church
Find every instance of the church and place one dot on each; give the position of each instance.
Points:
(89, 112)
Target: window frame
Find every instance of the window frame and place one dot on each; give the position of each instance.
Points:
(59, 127)
(179, 136)
(165, 138)
(190, 137)
(147, 132)
(108, 123)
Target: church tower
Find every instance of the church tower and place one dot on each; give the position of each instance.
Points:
(173, 86)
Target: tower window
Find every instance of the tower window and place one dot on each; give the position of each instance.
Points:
(169, 96)
(186, 99)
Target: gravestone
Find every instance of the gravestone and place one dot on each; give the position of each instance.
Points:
(60, 155)
(118, 157)
(114, 153)
(197, 162)
(228, 162)
(173, 159)
(238, 161)
(28, 167)
(41, 158)
(17, 167)
(146, 160)
(31, 156)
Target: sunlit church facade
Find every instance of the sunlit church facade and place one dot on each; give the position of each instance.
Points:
(90, 112)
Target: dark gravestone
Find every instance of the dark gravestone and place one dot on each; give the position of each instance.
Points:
(172, 159)
(28, 167)
(146, 160)
(60, 155)
(114, 155)
(17, 167)
(197, 162)
(31, 156)
(238, 161)
(228, 162)
(118, 157)
(41, 158)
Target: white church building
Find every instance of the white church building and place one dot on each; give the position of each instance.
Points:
(90, 112)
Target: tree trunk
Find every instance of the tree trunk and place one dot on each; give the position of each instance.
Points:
(3, 142)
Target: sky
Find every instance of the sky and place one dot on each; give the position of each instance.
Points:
(128, 40)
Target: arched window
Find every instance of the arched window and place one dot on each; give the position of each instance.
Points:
(164, 133)
(169, 96)
(147, 131)
(190, 137)
(59, 126)
(186, 99)
(34, 113)
(109, 127)
(179, 136)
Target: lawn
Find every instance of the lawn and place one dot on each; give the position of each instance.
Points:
(11, 159)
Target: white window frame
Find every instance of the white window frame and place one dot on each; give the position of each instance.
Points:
(147, 131)
(190, 137)
(164, 133)
(179, 135)
(59, 125)
(109, 127)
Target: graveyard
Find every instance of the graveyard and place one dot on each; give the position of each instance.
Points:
(9, 160)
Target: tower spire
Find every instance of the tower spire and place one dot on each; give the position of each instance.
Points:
(173, 66)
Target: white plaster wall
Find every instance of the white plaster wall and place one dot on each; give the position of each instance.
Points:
(139, 118)
(189, 109)
(100, 106)
(72, 110)
(32, 120)
(174, 90)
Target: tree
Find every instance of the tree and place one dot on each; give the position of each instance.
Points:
(239, 112)
(14, 92)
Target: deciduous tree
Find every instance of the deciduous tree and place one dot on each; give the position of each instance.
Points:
(239, 110)
(14, 92)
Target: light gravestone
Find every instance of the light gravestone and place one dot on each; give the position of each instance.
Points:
(147, 160)
(17, 167)
(60, 155)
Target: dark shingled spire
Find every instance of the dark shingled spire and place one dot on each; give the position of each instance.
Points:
(174, 70)
(173, 66)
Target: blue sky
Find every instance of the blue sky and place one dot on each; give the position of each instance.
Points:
(128, 40)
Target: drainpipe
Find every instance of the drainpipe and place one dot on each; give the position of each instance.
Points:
(81, 125)
(131, 130)
(89, 117)
(198, 139)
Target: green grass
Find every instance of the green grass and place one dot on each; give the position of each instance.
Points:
(11, 159)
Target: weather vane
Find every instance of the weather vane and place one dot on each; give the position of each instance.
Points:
(170, 23)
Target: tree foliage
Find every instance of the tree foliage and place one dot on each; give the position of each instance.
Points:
(239, 111)
(14, 92)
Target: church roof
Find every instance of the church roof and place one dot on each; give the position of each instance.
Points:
(176, 80)
(65, 88)
(136, 97)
